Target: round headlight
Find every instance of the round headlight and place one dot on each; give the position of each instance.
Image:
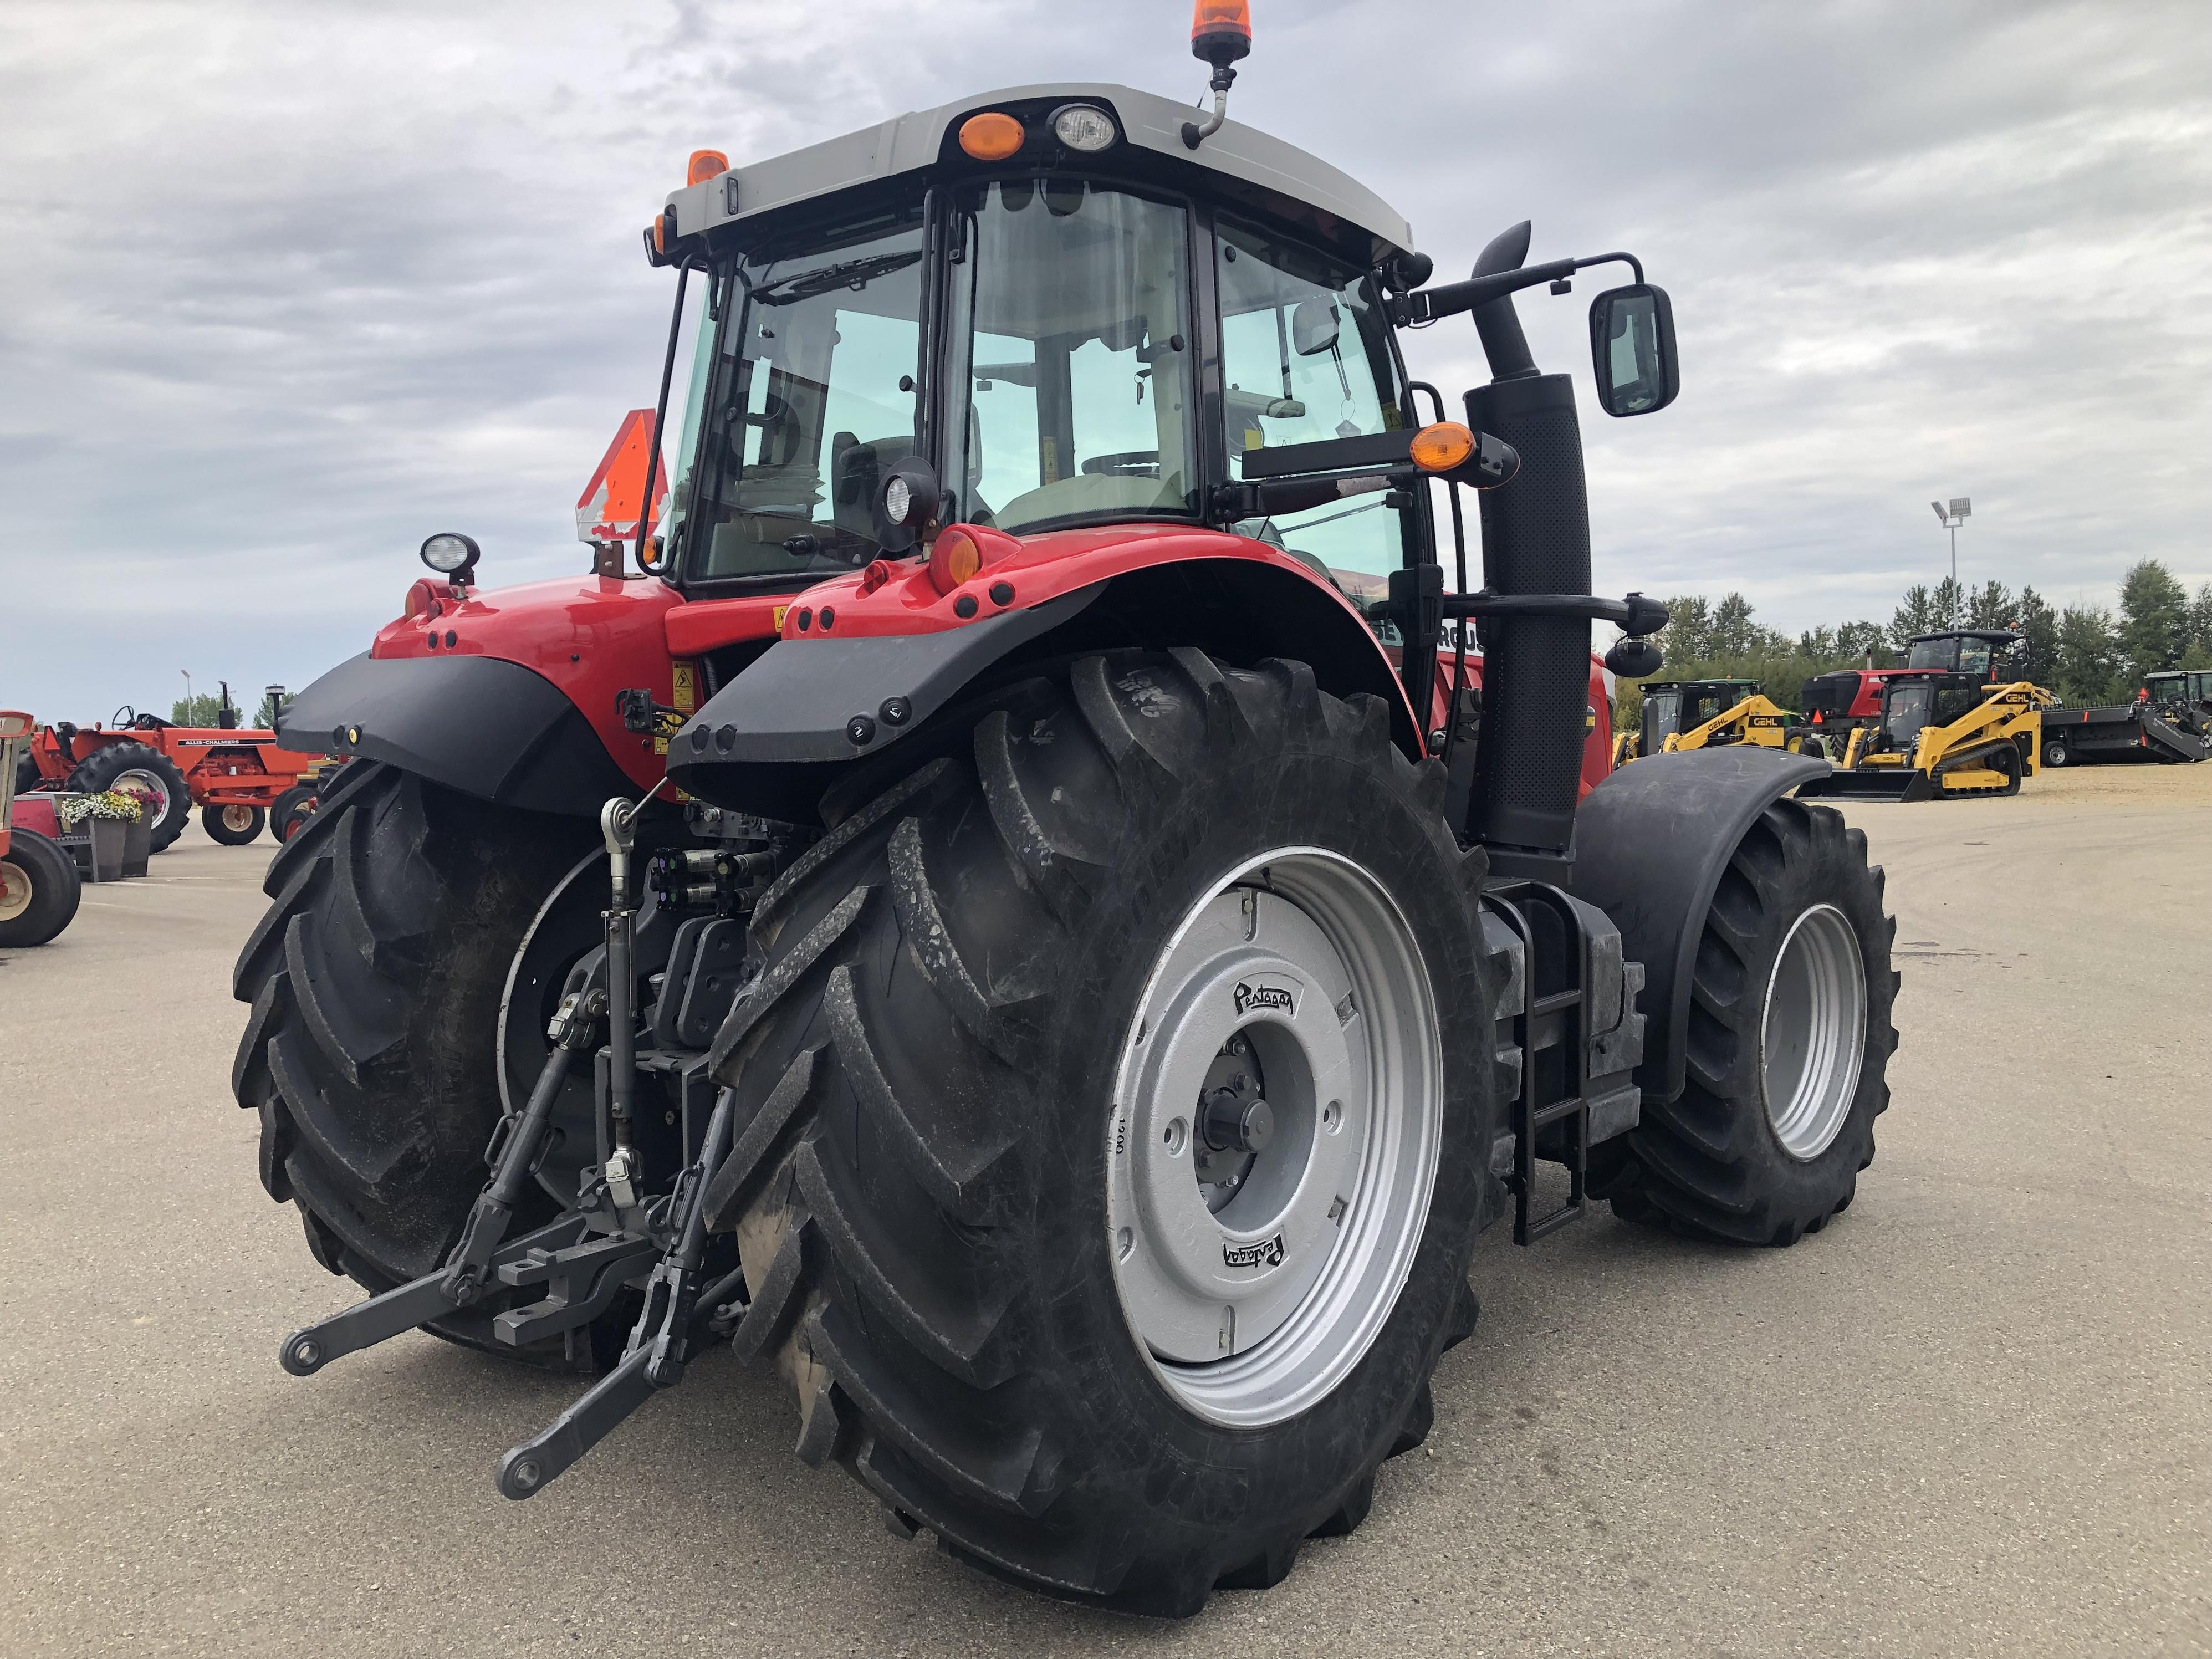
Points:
(449, 554)
(1079, 126)
(898, 499)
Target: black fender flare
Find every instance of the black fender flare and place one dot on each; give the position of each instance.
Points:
(773, 740)
(482, 725)
(1650, 843)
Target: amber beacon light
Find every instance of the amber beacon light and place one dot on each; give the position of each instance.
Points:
(705, 164)
(1221, 30)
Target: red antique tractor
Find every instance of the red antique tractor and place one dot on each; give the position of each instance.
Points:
(40, 886)
(1016, 912)
(234, 774)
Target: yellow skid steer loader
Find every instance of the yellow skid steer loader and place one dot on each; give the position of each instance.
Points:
(1943, 735)
(1710, 714)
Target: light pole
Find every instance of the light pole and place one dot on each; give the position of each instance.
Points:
(187, 673)
(1961, 510)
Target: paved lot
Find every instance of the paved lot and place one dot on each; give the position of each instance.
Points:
(1974, 1416)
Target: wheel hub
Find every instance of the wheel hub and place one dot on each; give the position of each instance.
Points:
(15, 890)
(1812, 1035)
(1274, 1140)
(139, 783)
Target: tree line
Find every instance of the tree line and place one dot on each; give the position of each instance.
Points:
(2086, 654)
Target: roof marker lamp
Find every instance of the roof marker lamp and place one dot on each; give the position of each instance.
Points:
(993, 136)
(452, 555)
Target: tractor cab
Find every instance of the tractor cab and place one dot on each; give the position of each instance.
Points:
(1986, 653)
(1061, 319)
(1683, 705)
(2184, 696)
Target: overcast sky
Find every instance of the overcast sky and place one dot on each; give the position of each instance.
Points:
(287, 287)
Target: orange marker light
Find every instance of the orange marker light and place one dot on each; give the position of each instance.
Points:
(954, 558)
(991, 137)
(705, 164)
(1441, 447)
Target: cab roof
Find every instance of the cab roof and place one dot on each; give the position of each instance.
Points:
(1299, 184)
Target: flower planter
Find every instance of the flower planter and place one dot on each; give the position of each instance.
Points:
(138, 846)
(106, 839)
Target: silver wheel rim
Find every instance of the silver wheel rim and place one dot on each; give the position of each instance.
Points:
(1254, 1295)
(237, 818)
(1812, 1034)
(139, 783)
(15, 890)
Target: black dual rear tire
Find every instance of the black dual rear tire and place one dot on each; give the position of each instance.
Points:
(1713, 1163)
(376, 978)
(923, 1074)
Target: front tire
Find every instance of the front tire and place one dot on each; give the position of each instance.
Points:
(40, 888)
(1788, 1043)
(933, 1182)
(376, 980)
(2055, 753)
(145, 771)
(233, 825)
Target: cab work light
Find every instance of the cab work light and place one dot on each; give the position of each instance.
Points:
(705, 164)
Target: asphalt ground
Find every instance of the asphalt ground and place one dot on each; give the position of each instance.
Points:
(1972, 1416)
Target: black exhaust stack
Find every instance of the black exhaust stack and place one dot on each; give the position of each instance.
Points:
(1536, 539)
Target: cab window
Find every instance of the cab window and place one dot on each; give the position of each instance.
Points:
(1072, 356)
(1305, 357)
(807, 398)
(1974, 657)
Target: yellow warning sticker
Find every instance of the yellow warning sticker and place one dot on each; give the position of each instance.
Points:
(782, 611)
(681, 694)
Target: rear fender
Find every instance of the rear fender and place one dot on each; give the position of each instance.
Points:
(1650, 844)
(786, 728)
(487, 727)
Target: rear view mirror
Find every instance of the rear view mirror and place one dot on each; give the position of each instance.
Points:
(1313, 327)
(1632, 349)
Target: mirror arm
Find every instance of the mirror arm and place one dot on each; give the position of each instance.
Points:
(1433, 304)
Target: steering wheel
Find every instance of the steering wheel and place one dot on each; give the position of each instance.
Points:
(1126, 463)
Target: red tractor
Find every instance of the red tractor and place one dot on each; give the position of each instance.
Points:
(234, 774)
(996, 916)
(40, 887)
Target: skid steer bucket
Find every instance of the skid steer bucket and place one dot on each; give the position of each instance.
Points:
(1894, 783)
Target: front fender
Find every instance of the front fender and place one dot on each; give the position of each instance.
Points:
(480, 725)
(1650, 844)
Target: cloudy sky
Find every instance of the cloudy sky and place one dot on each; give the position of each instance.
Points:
(288, 286)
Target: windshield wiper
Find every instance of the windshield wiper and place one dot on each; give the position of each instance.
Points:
(852, 274)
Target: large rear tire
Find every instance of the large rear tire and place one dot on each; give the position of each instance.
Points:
(956, 1158)
(376, 980)
(40, 888)
(1790, 1040)
(146, 771)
